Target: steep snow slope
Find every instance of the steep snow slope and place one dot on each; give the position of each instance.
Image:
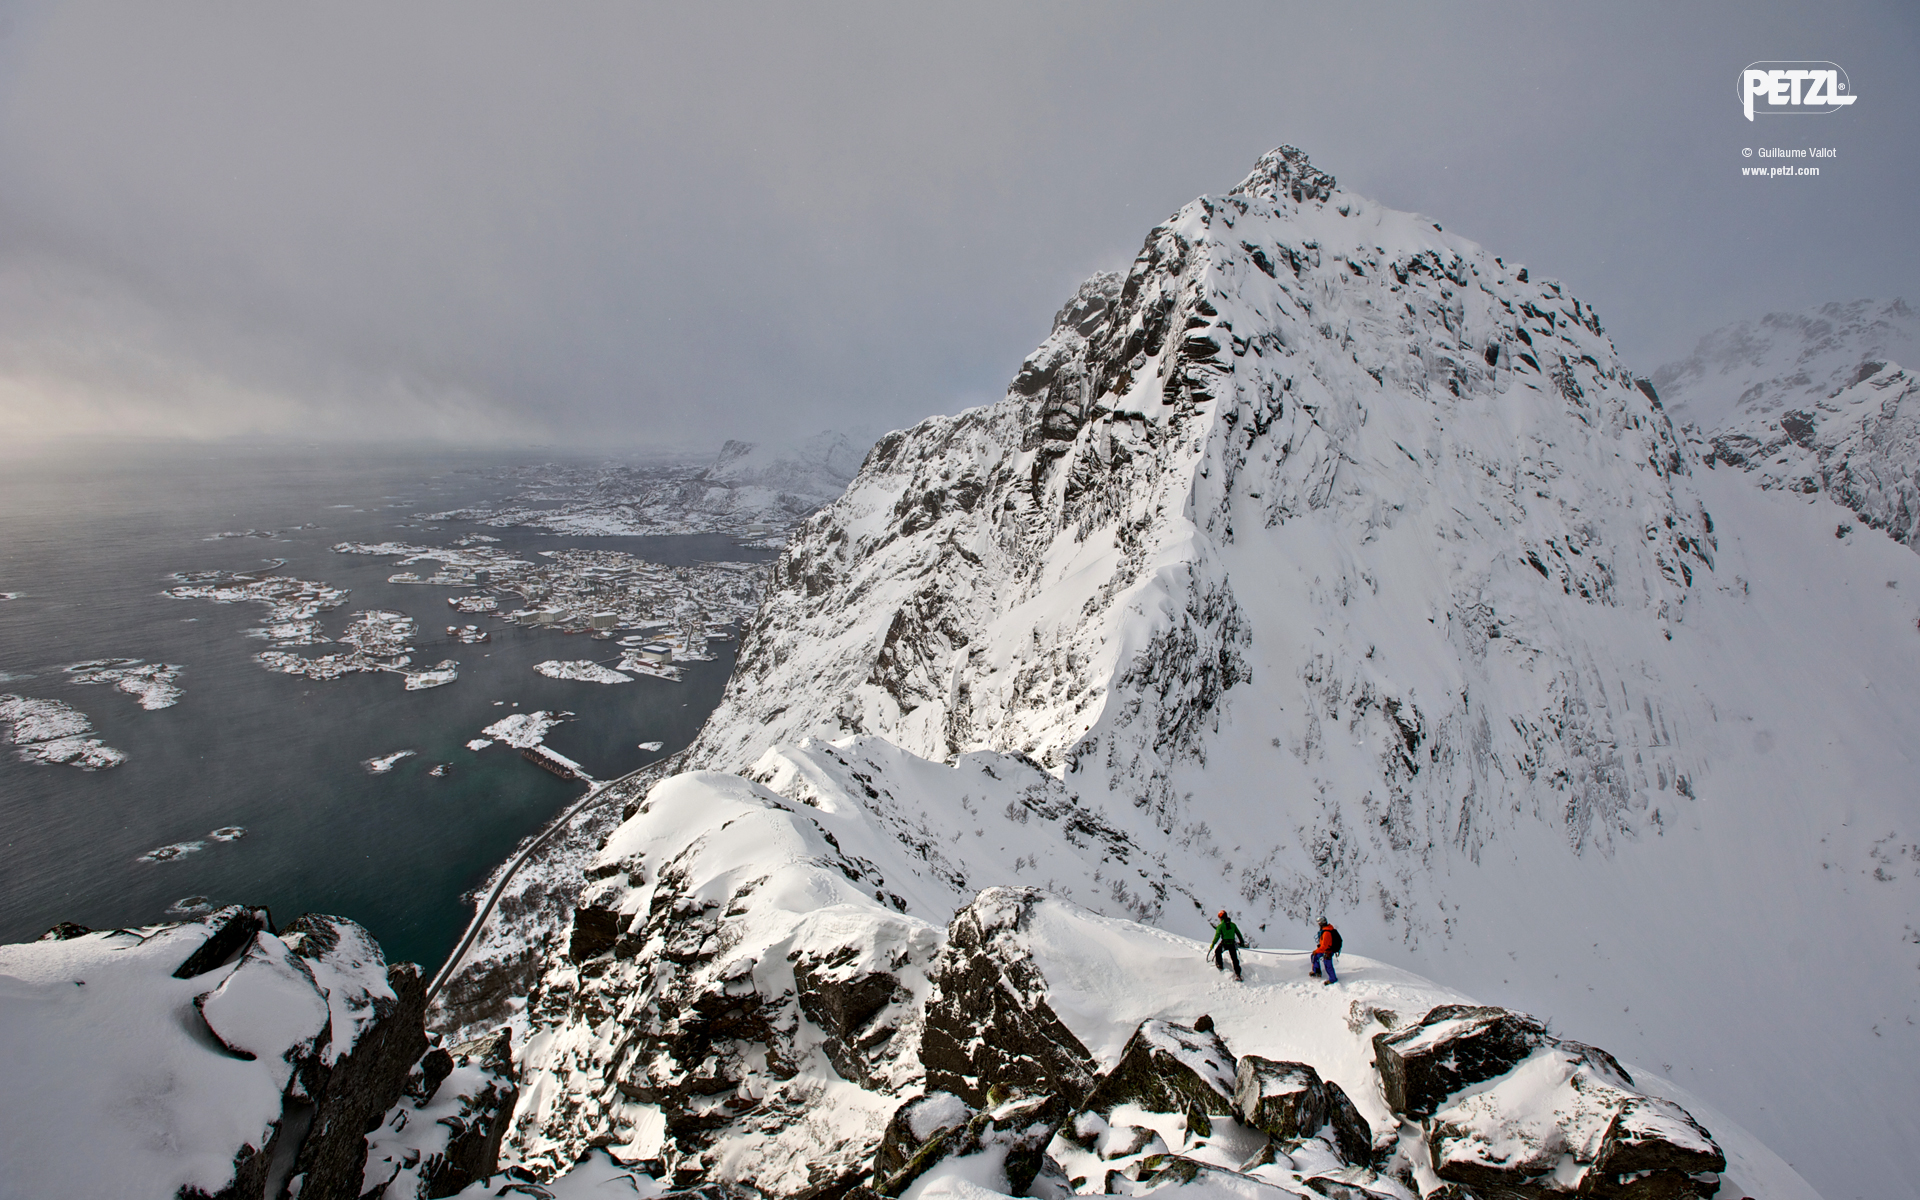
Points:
(1343, 568)
(1786, 360)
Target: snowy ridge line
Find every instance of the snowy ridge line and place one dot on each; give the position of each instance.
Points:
(743, 1006)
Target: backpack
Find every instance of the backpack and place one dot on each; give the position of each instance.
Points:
(1336, 941)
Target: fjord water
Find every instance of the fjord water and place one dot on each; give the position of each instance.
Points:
(90, 541)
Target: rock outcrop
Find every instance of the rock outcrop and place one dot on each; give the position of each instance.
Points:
(1508, 1110)
(1169, 1068)
(444, 1134)
(1009, 1138)
(1453, 1046)
(988, 1021)
(255, 1061)
(1860, 445)
(735, 1005)
(1290, 1102)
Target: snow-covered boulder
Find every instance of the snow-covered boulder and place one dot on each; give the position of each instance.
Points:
(203, 1058)
(1453, 1046)
(1170, 1068)
(1290, 1102)
(1002, 1147)
(1560, 1123)
(917, 1132)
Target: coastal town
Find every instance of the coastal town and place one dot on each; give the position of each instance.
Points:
(655, 615)
(658, 614)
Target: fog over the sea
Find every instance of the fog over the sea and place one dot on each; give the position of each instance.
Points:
(614, 225)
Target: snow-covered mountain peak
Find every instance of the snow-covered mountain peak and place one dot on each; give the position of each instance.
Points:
(1321, 564)
(1285, 172)
(819, 466)
(1065, 574)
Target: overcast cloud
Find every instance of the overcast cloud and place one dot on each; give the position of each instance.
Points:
(628, 225)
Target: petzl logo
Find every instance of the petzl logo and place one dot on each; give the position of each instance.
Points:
(1794, 87)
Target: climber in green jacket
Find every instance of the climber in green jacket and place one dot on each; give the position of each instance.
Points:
(1227, 941)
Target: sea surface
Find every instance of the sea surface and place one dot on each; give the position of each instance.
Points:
(91, 539)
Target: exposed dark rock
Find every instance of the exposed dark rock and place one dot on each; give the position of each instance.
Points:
(427, 1074)
(1290, 1101)
(1454, 1046)
(595, 930)
(231, 928)
(924, 1132)
(850, 1007)
(473, 1149)
(1636, 1143)
(1285, 172)
(914, 1127)
(1175, 1170)
(1170, 1068)
(64, 931)
(1284, 1099)
(362, 1084)
(1567, 1120)
(1352, 1135)
(988, 1021)
(1351, 1184)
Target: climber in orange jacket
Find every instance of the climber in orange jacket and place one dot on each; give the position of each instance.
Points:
(1324, 952)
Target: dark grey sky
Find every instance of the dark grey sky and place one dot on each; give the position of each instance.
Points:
(628, 225)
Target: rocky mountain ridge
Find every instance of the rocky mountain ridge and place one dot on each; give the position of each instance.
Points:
(1324, 562)
(1860, 446)
(1761, 367)
(745, 1009)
